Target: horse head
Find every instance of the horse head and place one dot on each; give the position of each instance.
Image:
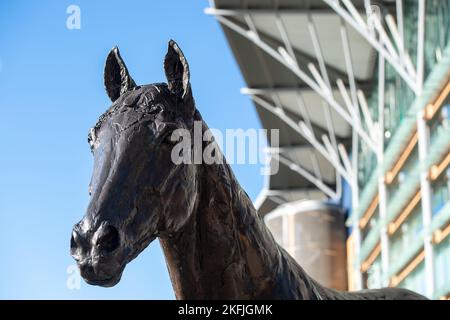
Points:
(137, 192)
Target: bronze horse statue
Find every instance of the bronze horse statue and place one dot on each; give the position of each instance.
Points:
(215, 244)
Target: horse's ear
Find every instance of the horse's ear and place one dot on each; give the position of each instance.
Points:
(116, 76)
(177, 71)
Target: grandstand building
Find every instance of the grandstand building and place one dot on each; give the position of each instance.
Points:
(360, 93)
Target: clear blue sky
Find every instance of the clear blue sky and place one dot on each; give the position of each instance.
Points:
(51, 93)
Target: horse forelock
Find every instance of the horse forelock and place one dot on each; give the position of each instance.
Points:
(151, 94)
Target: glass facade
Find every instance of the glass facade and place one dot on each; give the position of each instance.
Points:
(401, 186)
(403, 225)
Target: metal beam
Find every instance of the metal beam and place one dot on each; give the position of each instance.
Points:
(293, 89)
(299, 55)
(306, 58)
(420, 44)
(377, 45)
(349, 68)
(288, 190)
(308, 176)
(301, 148)
(366, 113)
(425, 190)
(324, 74)
(399, 14)
(382, 192)
(301, 75)
(315, 127)
(302, 130)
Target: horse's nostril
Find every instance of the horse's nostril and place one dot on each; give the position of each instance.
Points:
(87, 271)
(73, 242)
(76, 241)
(109, 239)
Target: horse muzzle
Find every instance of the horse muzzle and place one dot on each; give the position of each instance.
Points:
(99, 255)
(100, 274)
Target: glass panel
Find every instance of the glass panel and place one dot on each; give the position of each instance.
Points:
(406, 234)
(406, 175)
(440, 192)
(416, 280)
(442, 264)
(370, 225)
(437, 29)
(374, 279)
(440, 122)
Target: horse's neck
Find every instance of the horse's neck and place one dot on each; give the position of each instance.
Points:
(225, 251)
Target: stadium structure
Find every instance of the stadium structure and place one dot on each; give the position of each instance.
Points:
(360, 93)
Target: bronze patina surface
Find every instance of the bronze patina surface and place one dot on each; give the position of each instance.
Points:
(216, 245)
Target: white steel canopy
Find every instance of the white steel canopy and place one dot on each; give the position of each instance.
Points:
(309, 66)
